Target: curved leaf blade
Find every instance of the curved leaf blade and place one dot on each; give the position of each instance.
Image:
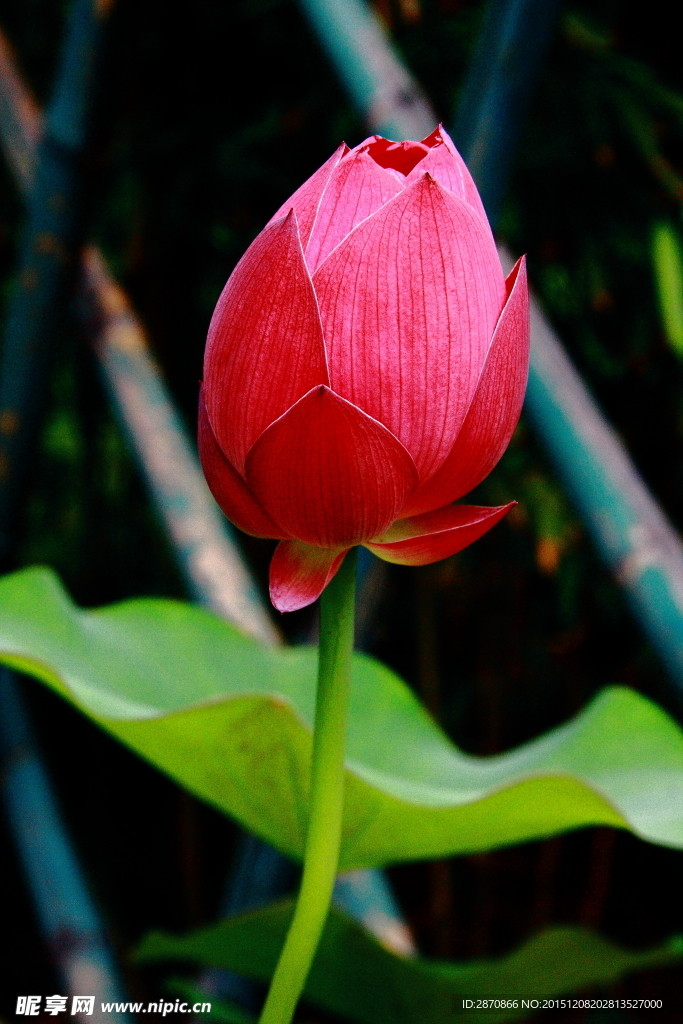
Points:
(354, 976)
(231, 721)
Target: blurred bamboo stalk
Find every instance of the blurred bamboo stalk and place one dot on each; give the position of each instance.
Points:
(630, 530)
(69, 920)
(384, 91)
(51, 237)
(202, 541)
(628, 527)
(211, 564)
(492, 106)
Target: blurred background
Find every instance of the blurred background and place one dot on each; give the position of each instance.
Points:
(207, 117)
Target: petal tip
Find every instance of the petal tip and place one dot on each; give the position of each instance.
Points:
(436, 535)
(300, 572)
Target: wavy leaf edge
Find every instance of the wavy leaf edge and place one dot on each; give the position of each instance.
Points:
(530, 768)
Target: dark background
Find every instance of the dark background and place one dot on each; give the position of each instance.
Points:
(210, 115)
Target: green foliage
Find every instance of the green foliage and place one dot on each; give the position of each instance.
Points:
(354, 976)
(668, 266)
(231, 721)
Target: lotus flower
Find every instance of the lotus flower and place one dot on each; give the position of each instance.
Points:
(365, 367)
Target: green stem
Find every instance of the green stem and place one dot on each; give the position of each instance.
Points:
(327, 789)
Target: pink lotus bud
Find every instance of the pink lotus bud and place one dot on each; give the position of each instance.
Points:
(365, 367)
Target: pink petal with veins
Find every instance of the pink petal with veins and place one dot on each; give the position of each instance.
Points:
(436, 535)
(409, 302)
(357, 188)
(228, 487)
(329, 474)
(445, 164)
(265, 347)
(300, 572)
(495, 408)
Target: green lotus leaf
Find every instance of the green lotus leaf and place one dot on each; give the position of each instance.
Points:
(354, 976)
(231, 721)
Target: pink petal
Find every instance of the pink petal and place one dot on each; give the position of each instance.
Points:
(328, 474)
(305, 200)
(409, 302)
(357, 188)
(445, 164)
(228, 487)
(265, 347)
(495, 409)
(300, 572)
(436, 535)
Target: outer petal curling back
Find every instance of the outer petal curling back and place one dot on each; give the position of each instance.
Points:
(436, 535)
(495, 409)
(409, 302)
(329, 474)
(228, 487)
(300, 572)
(265, 347)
